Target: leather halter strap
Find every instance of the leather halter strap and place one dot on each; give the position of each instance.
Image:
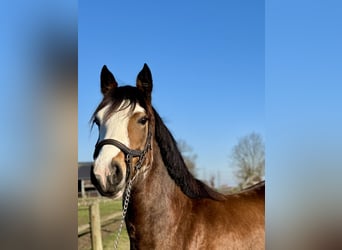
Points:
(121, 146)
(129, 153)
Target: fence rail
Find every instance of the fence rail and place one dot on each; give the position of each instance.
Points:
(83, 229)
(96, 222)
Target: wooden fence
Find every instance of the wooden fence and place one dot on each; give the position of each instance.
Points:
(95, 224)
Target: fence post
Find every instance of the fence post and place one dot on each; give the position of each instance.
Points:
(95, 224)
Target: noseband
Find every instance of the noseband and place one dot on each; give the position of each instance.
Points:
(129, 153)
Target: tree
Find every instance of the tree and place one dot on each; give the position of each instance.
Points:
(248, 157)
(188, 155)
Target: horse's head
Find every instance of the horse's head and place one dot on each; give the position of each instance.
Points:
(125, 121)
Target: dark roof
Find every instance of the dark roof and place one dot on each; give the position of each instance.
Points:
(84, 170)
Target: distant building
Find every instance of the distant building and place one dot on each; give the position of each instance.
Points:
(85, 187)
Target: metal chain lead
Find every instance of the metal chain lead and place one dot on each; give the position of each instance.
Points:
(129, 185)
(125, 207)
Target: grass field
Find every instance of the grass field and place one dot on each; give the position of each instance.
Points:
(109, 231)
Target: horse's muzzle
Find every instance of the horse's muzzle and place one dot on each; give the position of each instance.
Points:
(111, 187)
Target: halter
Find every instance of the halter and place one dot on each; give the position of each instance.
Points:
(129, 153)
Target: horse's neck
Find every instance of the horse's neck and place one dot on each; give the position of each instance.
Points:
(156, 199)
(156, 188)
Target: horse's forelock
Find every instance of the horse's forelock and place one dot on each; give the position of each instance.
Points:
(121, 98)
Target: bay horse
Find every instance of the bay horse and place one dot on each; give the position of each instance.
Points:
(167, 208)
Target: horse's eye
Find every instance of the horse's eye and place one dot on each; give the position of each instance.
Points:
(143, 120)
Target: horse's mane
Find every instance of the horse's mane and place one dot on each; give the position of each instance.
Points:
(176, 167)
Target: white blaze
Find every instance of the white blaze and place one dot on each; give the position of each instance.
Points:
(115, 127)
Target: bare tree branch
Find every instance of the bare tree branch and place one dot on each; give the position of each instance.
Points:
(248, 157)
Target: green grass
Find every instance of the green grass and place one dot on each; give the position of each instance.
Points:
(110, 207)
(83, 215)
(106, 208)
(108, 242)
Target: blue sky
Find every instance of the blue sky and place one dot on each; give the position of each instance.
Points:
(207, 63)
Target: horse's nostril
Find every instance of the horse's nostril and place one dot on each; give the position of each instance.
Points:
(116, 170)
(116, 175)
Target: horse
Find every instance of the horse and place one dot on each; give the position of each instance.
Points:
(166, 207)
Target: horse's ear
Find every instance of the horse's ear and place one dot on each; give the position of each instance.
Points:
(144, 81)
(108, 81)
